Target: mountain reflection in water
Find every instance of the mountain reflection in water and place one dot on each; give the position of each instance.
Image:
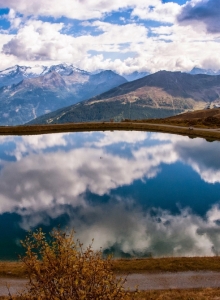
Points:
(135, 193)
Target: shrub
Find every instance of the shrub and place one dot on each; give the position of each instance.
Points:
(59, 268)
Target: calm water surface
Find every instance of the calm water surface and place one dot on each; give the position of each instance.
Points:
(136, 193)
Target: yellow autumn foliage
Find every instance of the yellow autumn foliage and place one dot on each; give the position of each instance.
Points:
(60, 268)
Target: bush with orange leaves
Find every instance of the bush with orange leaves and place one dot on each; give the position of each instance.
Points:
(59, 268)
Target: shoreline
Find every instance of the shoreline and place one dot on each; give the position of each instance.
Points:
(15, 269)
(179, 278)
(211, 133)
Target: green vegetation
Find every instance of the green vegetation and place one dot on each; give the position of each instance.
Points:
(104, 111)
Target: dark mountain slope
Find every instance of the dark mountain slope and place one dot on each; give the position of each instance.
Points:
(176, 84)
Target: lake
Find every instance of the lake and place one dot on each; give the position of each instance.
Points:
(138, 194)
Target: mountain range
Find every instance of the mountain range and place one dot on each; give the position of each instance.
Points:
(29, 92)
(157, 95)
(35, 91)
(16, 74)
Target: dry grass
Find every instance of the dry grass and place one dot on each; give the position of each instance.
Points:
(150, 265)
(191, 294)
(12, 269)
(205, 118)
(169, 264)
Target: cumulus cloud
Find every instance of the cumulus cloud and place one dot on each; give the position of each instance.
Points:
(13, 19)
(204, 11)
(49, 43)
(46, 41)
(161, 12)
(75, 9)
(147, 48)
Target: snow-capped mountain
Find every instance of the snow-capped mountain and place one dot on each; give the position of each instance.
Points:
(66, 70)
(16, 74)
(48, 89)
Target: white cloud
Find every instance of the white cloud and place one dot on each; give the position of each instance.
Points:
(14, 19)
(75, 9)
(171, 47)
(161, 12)
(119, 34)
(45, 43)
(49, 44)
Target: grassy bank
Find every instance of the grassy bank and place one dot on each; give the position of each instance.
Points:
(106, 126)
(169, 264)
(172, 264)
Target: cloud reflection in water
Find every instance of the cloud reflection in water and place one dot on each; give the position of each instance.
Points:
(54, 174)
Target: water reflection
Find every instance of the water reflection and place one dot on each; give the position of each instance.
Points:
(135, 193)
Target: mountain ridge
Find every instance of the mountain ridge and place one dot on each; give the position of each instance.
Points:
(158, 95)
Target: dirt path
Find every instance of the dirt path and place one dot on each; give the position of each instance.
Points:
(14, 285)
(145, 281)
(184, 127)
(180, 280)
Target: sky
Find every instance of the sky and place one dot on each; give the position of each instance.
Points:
(124, 36)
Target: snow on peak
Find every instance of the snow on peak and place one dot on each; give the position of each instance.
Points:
(16, 74)
(65, 69)
(23, 71)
